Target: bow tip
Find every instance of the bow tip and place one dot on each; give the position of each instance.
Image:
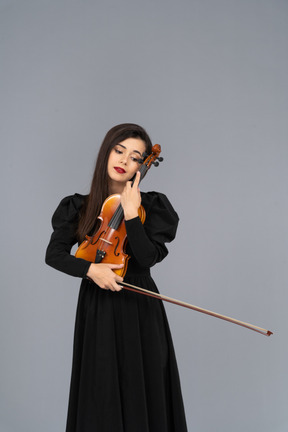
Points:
(269, 333)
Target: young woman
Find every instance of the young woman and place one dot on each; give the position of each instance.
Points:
(124, 372)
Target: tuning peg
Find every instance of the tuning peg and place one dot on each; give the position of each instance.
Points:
(160, 159)
(155, 164)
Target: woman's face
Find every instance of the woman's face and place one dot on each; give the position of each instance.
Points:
(123, 162)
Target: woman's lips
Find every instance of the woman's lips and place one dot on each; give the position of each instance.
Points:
(120, 170)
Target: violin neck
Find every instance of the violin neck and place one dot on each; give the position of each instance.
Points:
(143, 170)
(119, 214)
(117, 218)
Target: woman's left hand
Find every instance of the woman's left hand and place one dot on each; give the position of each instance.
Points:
(131, 198)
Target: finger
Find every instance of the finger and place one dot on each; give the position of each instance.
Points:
(128, 183)
(115, 266)
(137, 179)
(114, 287)
(118, 287)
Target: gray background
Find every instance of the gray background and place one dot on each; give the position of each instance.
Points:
(208, 80)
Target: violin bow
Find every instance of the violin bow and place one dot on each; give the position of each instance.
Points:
(143, 291)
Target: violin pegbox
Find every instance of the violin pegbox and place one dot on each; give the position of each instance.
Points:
(152, 159)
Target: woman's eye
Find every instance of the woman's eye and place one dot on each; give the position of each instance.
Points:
(134, 159)
(118, 151)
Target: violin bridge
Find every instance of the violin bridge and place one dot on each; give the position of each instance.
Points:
(106, 241)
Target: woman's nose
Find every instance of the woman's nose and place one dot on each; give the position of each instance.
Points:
(124, 159)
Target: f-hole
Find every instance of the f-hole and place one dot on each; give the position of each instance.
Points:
(117, 244)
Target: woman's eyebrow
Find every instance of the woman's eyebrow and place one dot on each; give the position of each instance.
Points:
(134, 151)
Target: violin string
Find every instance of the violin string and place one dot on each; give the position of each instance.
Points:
(116, 218)
(118, 215)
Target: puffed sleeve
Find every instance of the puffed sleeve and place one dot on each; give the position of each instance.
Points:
(64, 223)
(147, 241)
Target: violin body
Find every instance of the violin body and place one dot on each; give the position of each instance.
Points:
(108, 244)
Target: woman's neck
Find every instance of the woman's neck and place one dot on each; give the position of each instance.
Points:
(115, 188)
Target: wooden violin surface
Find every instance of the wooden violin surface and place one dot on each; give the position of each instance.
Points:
(108, 244)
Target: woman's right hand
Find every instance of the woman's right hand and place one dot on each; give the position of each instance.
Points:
(104, 276)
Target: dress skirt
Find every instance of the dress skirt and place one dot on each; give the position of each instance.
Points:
(124, 373)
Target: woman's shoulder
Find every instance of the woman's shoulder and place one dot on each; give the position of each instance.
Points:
(69, 206)
(153, 198)
(157, 202)
(76, 199)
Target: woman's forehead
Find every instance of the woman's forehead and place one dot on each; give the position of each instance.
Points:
(133, 145)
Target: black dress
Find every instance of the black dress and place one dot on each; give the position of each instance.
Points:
(124, 373)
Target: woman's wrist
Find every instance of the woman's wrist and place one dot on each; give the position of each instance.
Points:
(91, 271)
(130, 215)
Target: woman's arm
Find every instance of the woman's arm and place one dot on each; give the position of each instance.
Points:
(147, 241)
(63, 238)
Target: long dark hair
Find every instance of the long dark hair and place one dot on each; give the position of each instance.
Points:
(99, 186)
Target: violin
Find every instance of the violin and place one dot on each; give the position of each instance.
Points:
(108, 244)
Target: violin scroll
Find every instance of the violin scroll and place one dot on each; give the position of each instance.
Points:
(152, 159)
